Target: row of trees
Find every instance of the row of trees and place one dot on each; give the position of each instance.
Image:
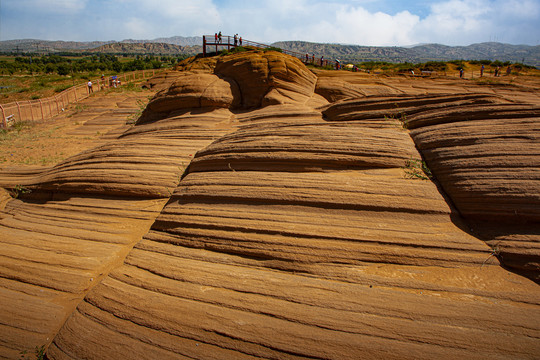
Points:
(437, 65)
(67, 63)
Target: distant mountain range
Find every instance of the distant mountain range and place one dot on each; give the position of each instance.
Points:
(128, 45)
(526, 54)
(147, 48)
(529, 55)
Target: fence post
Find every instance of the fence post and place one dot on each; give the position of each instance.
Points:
(19, 110)
(41, 107)
(57, 107)
(204, 45)
(31, 110)
(50, 109)
(4, 123)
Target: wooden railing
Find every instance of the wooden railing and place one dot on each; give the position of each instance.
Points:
(228, 42)
(43, 109)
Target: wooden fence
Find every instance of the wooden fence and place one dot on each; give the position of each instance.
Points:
(43, 109)
(228, 42)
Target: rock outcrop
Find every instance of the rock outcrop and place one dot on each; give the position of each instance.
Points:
(290, 227)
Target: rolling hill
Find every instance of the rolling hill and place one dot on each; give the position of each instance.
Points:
(526, 54)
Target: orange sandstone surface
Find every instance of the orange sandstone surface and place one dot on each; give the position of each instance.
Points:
(259, 209)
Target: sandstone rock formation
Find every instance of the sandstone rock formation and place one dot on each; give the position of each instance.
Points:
(256, 210)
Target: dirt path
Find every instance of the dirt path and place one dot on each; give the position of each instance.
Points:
(83, 125)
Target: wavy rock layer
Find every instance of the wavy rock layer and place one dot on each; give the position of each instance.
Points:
(288, 231)
(82, 217)
(485, 152)
(338, 257)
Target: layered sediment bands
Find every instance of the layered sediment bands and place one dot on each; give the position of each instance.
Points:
(487, 159)
(53, 252)
(255, 258)
(146, 161)
(195, 91)
(334, 90)
(76, 221)
(268, 78)
(484, 152)
(295, 145)
(198, 304)
(403, 107)
(292, 233)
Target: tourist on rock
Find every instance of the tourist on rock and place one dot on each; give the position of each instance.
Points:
(90, 90)
(240, 40)
(482, 71)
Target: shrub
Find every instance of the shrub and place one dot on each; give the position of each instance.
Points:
(433, 66)
(61, 88)
(272, 48)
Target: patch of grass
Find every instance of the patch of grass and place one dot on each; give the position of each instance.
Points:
(131, 87)
(59, 89)
(39, 354)
(272, 48)
(495, 251)
(400, 117)
(417, 169)
(19, 190)
(14, 130)
(78, 108)
(132, 119)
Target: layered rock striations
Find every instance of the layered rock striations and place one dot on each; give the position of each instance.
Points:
(296, 226)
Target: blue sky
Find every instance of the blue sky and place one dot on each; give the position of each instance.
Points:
(362, 22)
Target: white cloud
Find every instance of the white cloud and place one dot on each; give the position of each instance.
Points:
(363, 22)
(200, 10)
(323, 21)
(461, 22)
(525, 9)
(356, 25)
(48, 6)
